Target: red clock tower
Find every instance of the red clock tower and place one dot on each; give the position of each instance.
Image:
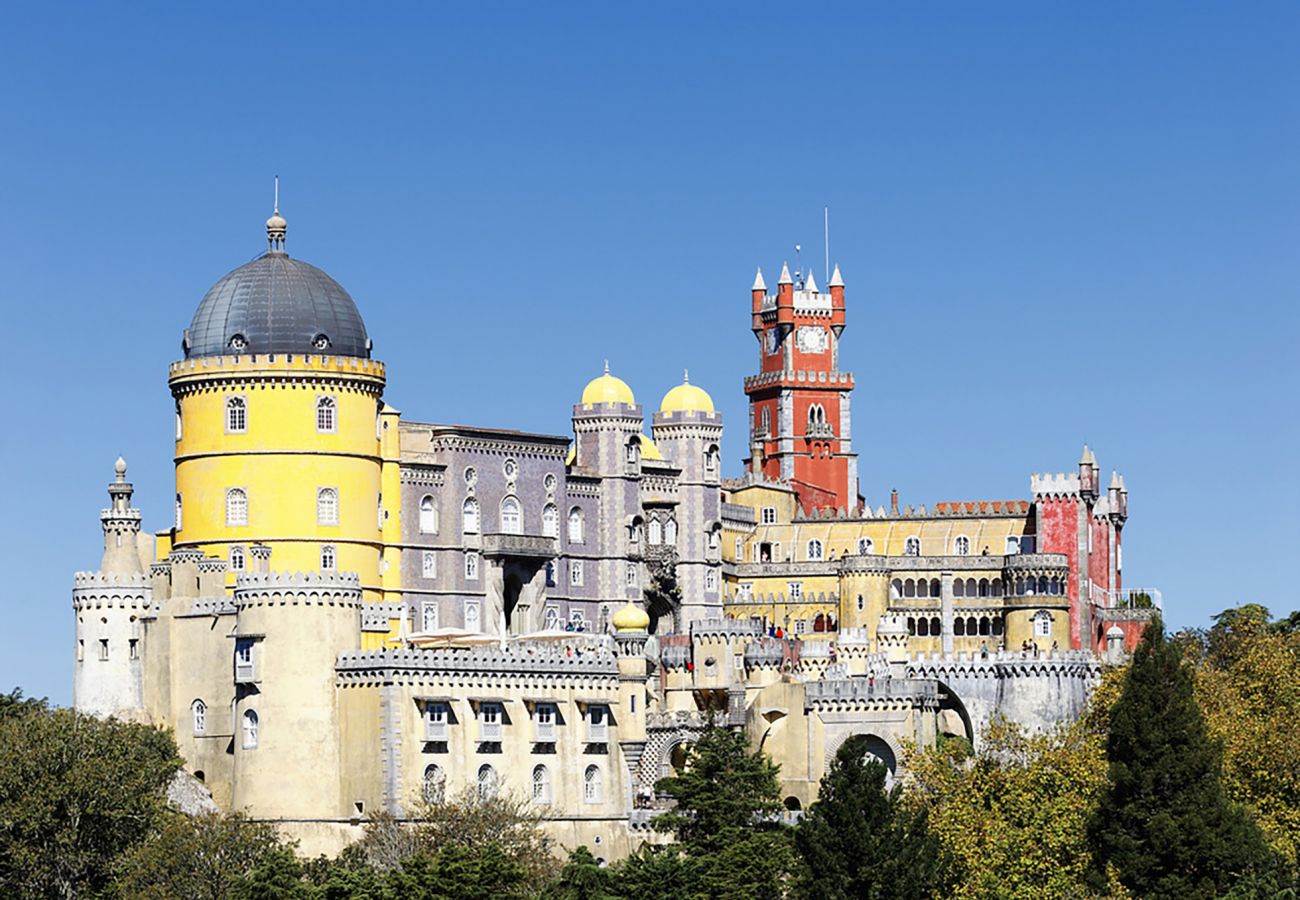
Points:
(799, 421)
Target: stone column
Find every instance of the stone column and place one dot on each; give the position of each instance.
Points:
(946, 613)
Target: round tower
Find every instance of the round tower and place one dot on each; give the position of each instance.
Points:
(110, 604)
(290, 628)
(278, 422)
(864, 593)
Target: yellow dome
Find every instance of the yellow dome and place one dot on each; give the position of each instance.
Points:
(649, 450)
(686, 397)
(631, 618)
(607, 389)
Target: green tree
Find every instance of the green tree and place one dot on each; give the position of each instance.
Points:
(277, 875)
(195, 858)
(1164, 826)
(14, 703)
(726, 820)
(459, 872)
(1247, 683)
(75, 792)
(859, 840)
(582, 878)
(656, 873)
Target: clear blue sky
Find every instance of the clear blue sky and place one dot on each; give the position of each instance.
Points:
(1057, 224)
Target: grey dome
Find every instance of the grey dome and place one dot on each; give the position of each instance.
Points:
(276, 304)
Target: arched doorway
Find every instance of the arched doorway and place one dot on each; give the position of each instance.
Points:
(510, 599)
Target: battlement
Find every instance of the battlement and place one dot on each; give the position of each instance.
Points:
(274, 364)
(332, 588)
(854, 691)
(724, 628)
(1058, 484)
(494, 659)
(841, 380)
(98, 580)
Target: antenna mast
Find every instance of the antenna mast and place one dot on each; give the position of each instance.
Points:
(826, 210)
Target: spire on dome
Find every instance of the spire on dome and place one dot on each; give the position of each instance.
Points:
(837, 280)
(686, 376)
(276, 225)
(606, 367)
(759, 284)
(785, 275)
(810, 284)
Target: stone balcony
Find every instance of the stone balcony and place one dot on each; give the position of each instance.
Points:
(526, 546)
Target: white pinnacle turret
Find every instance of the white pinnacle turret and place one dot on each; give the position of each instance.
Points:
(811, 284)
(837, 280)
(759, 285)
(785, 275)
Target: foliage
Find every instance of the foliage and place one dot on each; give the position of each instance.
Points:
(657, 873)
(1247, 681)
(727, 818)
(14, 703)
(1012, 819)
(859, 840)
(459, 872)
(1164, 826)
(510, 824)
(582, 878)
(199, 858)
(75, 791)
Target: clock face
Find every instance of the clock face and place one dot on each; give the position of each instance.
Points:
(811, 340)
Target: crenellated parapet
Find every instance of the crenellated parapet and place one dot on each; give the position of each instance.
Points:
(722, 629)
(858, 693)
(110, 590)
(216, 372)
(375, 617)
(1054, 485)
(298, 589)
(492, 661)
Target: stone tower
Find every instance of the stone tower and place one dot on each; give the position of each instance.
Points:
(110, 604)
(800, 426)
(688, 431)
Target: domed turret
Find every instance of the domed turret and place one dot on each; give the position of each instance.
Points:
(607, 389)
(631, 618)
(686, 397)
(276, 304)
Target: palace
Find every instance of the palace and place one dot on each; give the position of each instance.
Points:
(354, 612)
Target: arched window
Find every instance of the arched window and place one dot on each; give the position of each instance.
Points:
(984, 625)
(972, 626)
(909, 588)
(575, 526)
(327, 506)
(958, 588)
(923, 628)
(767, 421)
(469, 516)
(237, 558)
(866, 546)
(236, 507)
(815, 549)
(1042, 624)
(711, 461)
(428, 515)
(550, 577)
(896, 589)
(435, 784)
(471, 565)
(862, 603)
(633, 452)
(911, 625)
(656, 532)
(541, 784)
(199, 709)
(936, 628)
(1042, 584)
(511, 520)
(1013, 545)
(487, 782)
(922, 588)
(670, 532)
(912, 547)
(936, 588)
(714, 545)
(550, 521)
(961, 546)
(328, 559)
(972, 588)
(250, 728)
(325, 422)
(236, 415)
(959, 626)
(593, 788)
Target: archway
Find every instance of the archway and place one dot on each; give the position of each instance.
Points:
(510, 599)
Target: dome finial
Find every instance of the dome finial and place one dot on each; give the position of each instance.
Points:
(686, 376)
(606, 367)
(276, 225)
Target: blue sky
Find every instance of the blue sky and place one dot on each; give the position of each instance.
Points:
(1057, 224)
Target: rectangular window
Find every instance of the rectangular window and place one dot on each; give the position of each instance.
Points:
(133, 648)
(489, 722)
(81, 651)
(471, 566)
(800, 626)
(429, 564)
(435, 721)
(471, 615)
(631, 575)
(769, 515)
(740, 549)
(597, 724)
(711, 580)
(796, 590)
(545, 723)
(103, 649)
(575, 572)
(244, 659)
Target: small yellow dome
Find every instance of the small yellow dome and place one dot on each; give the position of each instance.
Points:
(631, 618)
(649, 450)
(686, 397)
(607, 389)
